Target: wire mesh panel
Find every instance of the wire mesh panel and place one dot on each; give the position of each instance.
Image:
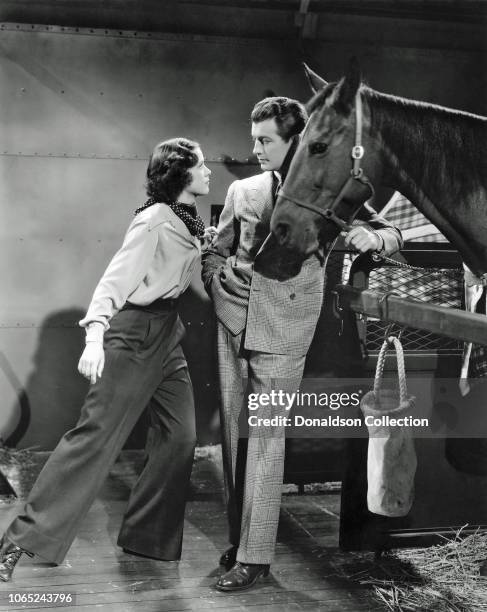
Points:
(442, 287)
(440, 284)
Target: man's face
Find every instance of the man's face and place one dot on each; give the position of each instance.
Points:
(269, 147)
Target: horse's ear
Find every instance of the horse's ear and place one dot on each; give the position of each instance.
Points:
(315, 81)
(347, 88)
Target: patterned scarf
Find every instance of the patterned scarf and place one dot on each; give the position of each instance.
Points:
(185, 212)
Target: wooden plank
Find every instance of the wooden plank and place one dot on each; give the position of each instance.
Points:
(304, 574)
(294, 581)
(450, 322)
(197, 600)
(301, 578)
(34, 574)
(232, 603)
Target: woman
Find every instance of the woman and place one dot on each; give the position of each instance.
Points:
(133, 358)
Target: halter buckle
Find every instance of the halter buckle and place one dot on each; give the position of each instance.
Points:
(357, 152)
(357, 173)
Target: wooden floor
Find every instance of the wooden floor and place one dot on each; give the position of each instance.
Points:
(309, 572)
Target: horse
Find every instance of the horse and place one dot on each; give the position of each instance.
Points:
(358, 138)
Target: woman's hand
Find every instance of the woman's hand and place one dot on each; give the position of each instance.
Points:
(209, 236)
(92, 361)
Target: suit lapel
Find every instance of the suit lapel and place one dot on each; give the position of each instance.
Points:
(260, 197)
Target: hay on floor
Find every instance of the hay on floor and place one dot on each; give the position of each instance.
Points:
(18, 470)
(441, 578)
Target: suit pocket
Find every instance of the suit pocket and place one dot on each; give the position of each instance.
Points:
(282, 319)
(305, 306)
(289, 303)
(232, 284)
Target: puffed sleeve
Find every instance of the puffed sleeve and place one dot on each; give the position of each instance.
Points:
(124, 273)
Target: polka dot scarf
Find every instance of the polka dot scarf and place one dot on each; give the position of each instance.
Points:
(185, 212)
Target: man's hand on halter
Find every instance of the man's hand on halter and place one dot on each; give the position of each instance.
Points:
(364, 239)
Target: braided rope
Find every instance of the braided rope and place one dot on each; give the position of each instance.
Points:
(401, 371)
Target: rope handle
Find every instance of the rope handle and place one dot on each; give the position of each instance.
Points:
(400, 367)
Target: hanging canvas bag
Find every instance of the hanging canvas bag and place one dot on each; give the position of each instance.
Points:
(391, 460)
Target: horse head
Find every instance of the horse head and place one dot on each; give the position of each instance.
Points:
(329, 177)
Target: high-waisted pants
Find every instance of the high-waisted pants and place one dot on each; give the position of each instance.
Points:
(144, 367)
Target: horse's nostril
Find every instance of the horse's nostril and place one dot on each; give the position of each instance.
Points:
(282, 233)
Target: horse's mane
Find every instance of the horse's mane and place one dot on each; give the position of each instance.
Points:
(433, 143)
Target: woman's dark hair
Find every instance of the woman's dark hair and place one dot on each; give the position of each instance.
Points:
(168, 170)
(290, 115)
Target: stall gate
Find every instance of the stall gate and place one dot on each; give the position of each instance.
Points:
(424, 305)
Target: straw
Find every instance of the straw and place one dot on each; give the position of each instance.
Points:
(441, 578)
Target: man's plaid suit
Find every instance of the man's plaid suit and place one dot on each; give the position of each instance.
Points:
(265, 327)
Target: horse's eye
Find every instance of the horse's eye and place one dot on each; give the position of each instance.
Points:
(316, 148)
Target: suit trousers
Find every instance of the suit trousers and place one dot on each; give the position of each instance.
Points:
(253, 478)
(144, 367)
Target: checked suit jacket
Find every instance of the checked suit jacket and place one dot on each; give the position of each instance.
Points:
(278, 317)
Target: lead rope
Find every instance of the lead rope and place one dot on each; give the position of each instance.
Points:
(327, 256)
(451, 272)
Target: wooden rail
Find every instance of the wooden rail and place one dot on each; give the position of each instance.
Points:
(450, 322)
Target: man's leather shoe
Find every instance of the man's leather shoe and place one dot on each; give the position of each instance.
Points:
(242, 576)
(10, 554)
(229, 557)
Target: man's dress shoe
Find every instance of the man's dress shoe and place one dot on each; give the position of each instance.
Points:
(242, 576)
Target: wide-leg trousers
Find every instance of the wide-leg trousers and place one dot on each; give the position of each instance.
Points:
(145, 366)
(253, 490)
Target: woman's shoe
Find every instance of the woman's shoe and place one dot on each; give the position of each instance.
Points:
(242, 576)
(10, 554)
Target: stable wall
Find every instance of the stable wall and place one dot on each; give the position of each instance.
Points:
(79, 114)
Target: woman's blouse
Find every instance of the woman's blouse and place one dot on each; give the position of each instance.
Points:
(157, 260)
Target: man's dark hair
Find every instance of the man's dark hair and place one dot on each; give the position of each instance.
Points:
(290, 115)
(168, 170)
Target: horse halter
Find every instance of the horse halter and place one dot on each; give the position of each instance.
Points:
(356, 174)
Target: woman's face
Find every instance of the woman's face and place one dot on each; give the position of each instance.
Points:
(200, 184)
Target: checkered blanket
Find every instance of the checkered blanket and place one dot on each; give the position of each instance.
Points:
(412, 223)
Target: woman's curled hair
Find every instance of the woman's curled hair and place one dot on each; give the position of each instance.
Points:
(168, 170)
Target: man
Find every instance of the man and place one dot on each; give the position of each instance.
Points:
(265, 327)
